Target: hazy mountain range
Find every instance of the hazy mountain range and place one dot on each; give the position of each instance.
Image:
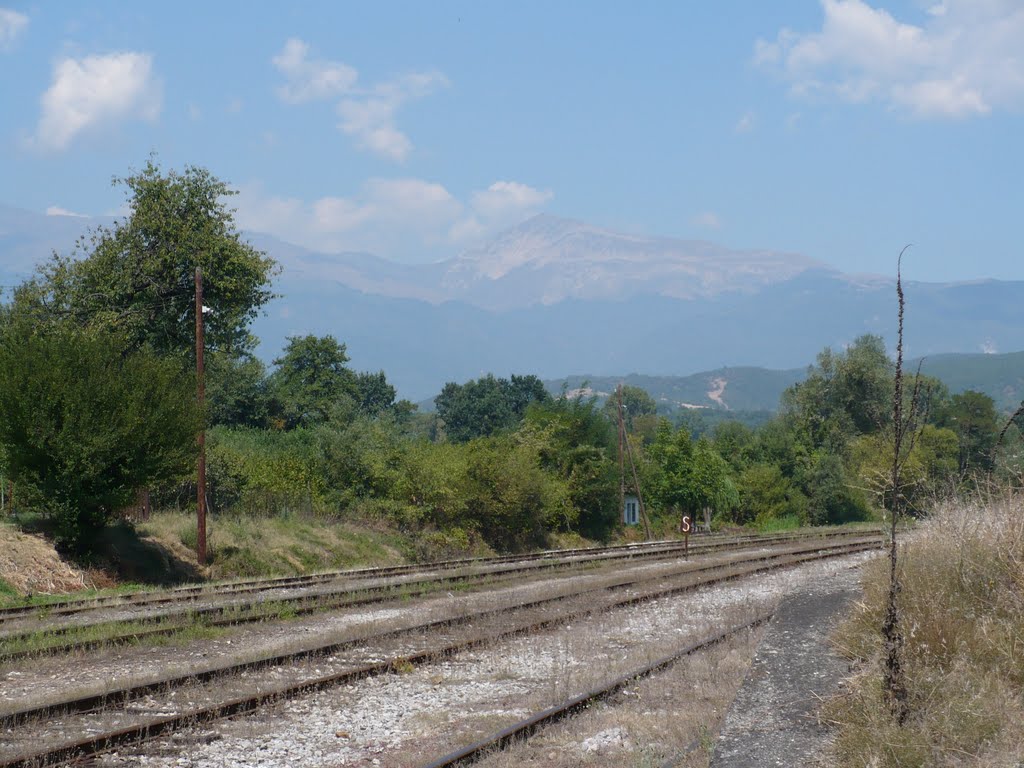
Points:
(552, 296)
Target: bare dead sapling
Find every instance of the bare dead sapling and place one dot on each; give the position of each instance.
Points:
(905, 430)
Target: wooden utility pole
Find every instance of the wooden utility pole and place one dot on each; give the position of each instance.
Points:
(622, 466)
(624, 441)
(201, 439)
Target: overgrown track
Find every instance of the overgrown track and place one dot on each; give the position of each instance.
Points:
(527, 727)
(113, 725)
(47, 634)
(185, 594)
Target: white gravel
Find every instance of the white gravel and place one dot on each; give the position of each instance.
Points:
(409, 719)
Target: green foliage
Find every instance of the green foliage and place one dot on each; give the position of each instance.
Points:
(845, 394)
(87, 423)
(636, 404)
(488, 405)
(832, 498)
(581, 449)
(510, 497)
(236, 390)
(263, 472)
(312, 380)
(765, 494)
(137, 277)
(972, 417)
(929, 472)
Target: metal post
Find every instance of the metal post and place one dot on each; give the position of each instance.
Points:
(201, 438)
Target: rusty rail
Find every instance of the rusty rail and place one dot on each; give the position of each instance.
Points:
(159, 726)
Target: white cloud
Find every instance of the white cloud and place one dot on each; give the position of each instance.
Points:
(311, 79)
(370, 118)
(403, 218)
(12, 24)
(707, 220)
(94, 91)
(745, 124)
(56, 210)
(508, 198)
(366, 113)
(963, 60)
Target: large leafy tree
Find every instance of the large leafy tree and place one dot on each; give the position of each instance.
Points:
(312, 380)
(137, 277)
(688, 476)
(85, 423)
(973, 417)
(484, 406)
(845, 394)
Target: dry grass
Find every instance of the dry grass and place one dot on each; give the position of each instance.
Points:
(30, 565)
(256, 547)
(962, 607)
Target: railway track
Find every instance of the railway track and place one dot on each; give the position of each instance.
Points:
(32, 634)
(50, 732)
(178, 595)
(525, 728)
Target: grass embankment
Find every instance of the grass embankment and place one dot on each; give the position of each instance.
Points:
(962, 612)
(275, 546)
(161, 552)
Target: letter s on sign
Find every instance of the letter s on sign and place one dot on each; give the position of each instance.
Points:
(685, 527)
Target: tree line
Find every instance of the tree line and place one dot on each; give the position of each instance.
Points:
(97, 401)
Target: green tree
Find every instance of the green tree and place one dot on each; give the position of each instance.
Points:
(972, 416)
(85, 423)
(488, 405)
(636, 404)
(237, 392)
(766, 494)
(137, 277)
(690, 476)
(510, 496)
(844, 394)
(580, 448)
(312, 379)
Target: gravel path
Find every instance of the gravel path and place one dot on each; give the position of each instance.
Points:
(773, 721)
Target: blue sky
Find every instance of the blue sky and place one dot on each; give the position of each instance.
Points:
(839, 129)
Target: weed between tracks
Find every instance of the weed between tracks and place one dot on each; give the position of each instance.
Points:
(963, 607)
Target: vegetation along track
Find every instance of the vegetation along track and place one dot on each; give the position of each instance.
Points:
(71, 727)
(154, 615)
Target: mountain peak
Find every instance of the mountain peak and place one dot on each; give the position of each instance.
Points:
(547, 259)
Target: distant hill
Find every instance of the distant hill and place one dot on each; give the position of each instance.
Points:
(1001, 377)
(553, 295)
(733, 389)
(745, 388)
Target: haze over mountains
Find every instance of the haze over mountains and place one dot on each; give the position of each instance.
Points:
(556, 297)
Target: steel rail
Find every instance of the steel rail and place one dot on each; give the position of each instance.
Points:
(228, 614)
(118, 696)
(530, 725)
(100, 742)
(198, 592)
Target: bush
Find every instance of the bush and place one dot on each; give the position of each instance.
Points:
(87, 423)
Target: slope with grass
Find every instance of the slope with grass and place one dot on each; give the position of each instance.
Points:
(962, 613)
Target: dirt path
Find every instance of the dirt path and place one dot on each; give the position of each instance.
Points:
(774, 718)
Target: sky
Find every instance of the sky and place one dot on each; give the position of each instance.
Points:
(839, 129)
